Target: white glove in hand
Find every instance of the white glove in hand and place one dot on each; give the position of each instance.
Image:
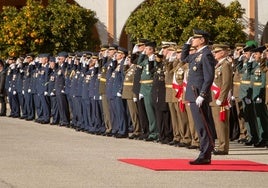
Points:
(232, 98)
(140, 96)
(189, 41)
(135, 49)
(52, 94)
(22, 92)
(247, 101)
(258, 100)
(199, 100)
(251, 59)
(100, 98)
(152, 58)
(62, 91)
(45, 93)
(241, 58)
(135, 99)
(14, 92)
(118, 94)
(29, 90)
(9, 89)
(218, 102)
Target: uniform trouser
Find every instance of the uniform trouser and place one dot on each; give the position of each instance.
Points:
(153, 131)
(241, 119)
(22, 104)
(63, 109)
(175, 121)
(106, 114)
(163, 122)
(118, 116)
(30, 107)
(45, 108)
(77, 118)
(97, 116)
(70, 104)
(203, 124)
(134, 115)
(54, 110)
(3, 110)
(86, 114)
(14, 105)
(37, 104)
(262, 121)
(222, 128)
(194, 135)
(144, 122)
(250, 121)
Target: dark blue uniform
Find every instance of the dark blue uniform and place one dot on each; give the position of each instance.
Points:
(201, 76)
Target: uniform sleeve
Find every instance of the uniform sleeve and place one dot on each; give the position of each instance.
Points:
(226, 81)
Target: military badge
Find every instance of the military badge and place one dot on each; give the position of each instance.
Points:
(198, 58)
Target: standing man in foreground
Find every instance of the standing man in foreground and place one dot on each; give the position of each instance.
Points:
(201, 76)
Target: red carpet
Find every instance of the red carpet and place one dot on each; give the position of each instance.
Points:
(183, 165)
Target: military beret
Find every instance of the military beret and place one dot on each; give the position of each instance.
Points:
(113, 47)
(151, 44)
(200, 33)
(220, 47)
(259, 49)
(63, 54)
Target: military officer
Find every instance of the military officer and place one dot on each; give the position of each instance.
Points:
(245, 92)
(54, 111)
(258, 79)
(200, 79)
(221, 94)
(60, 90)
(235, 93)
(147, 61)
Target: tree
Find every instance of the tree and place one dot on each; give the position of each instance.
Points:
(174, 20)
(35, 28)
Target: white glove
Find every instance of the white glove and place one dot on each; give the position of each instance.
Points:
(29, 90)
(258, 100)
(14, 92)
(62, 91)
(135, 49)
(140, 96)
(36, 59)
(12, 66)
(22, 92)
(135, 99)
(52, 94)
(232, 98)
(189, 41)
(161, 52)
(218, 102)
(105, 53)
(247, 101)
(9, 89)
(241, 57)
(199, 100)
(100, 98)
(45, 93)
(152, 58)
(118, 94)
(97, 64)
(251, 59)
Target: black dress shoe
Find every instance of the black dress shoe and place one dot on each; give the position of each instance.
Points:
(174, 143)
(242, 140)
(261, 144)
(121, 136)
(199, 161)
(133, 136)
(3, 114)
(150, 139)
(193, 147)
(183, 144)
(249, 143)
(218, 152)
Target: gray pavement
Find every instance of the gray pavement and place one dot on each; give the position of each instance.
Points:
(37, 156)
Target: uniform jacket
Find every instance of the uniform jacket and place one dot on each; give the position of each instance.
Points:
(201, 72)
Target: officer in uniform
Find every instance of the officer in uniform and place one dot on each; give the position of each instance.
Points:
(42, 89)
(245, 92)
(60, 90)
(147, 61)
(139, 100)
(258, 80)
(52, 92)
(27, 86)
(3, 109)
(200, 79)
(221, 94)
(235, 93)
